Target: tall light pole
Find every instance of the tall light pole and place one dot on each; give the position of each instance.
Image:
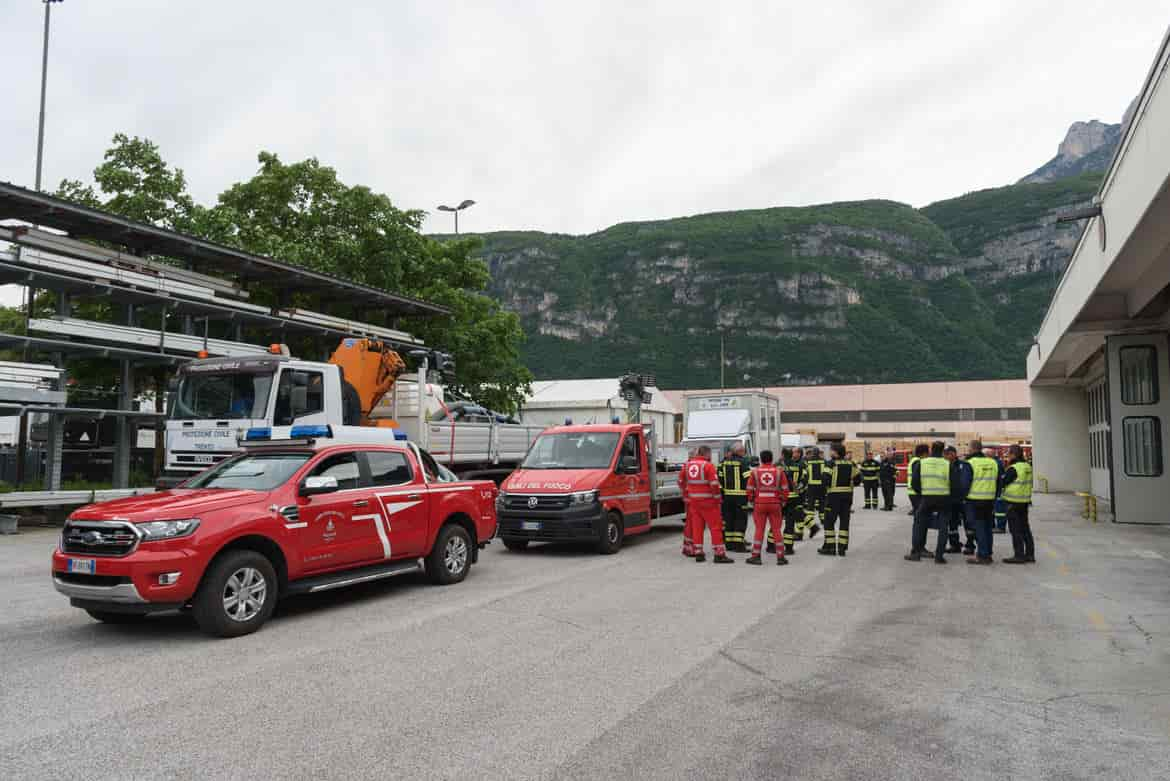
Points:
(456, 210)
(44, 82)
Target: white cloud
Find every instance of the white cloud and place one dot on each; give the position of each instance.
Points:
(570, 117)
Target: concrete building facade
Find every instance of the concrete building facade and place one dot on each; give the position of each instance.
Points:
(1099, 370)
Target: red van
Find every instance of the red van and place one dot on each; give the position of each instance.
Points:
(595, 484)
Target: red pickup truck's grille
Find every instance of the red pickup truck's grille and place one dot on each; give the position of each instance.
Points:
(98, 538)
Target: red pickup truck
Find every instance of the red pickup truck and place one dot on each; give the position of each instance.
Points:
(278, 519)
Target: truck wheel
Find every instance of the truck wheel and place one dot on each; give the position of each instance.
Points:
(116, 618)
(511, 544)
(612, 534)
(450, 559)
(237, 595)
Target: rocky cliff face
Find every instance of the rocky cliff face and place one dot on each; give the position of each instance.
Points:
(1088, 146)
(850, 292)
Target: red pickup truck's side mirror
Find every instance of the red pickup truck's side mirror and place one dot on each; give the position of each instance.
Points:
(318, 484)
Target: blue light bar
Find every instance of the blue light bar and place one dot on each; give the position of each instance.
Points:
(254, 434)
(400, 435)
(311, 432)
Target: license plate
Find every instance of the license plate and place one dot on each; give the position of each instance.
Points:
(530, 526)
(208, 459)
(82, 566)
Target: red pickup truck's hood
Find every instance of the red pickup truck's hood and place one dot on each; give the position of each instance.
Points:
(169, 505)
(554, 481)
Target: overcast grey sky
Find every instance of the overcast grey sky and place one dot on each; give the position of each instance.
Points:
(570, 117)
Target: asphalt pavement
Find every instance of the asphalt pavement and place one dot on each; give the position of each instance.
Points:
(559, 663)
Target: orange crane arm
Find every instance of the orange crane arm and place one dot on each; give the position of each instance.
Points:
(371, 367)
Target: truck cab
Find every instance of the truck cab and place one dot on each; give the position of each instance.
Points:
(215, 401)
(595, 484)
(281, 517)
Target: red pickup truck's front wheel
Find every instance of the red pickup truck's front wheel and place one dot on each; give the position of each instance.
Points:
(237, 595)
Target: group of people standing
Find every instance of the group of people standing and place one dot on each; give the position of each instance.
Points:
(789, 500)
(947, 492)
(794, 497)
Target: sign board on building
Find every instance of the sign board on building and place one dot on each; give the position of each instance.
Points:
(719, 402)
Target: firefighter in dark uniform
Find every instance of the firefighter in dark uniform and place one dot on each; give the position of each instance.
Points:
(870, 469)
(888, 477)
(814, 492)
(794, 509)
(840, 480)
(733, 475)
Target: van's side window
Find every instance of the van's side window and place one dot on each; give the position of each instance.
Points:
(630, 449)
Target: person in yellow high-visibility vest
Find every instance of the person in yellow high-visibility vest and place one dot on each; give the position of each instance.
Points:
(931, 480)
(1017, 493)
(921, 451)
(981, 500)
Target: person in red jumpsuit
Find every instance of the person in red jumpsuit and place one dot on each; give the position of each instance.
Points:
(767, 491)
(701, 494)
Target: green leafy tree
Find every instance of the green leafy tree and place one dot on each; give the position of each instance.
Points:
(302, 213)
(134, 181)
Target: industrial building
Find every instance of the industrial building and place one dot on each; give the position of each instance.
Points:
(1099, 370)
(996, 411)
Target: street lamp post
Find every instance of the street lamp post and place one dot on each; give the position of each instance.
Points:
(44, 82)
(455, 210)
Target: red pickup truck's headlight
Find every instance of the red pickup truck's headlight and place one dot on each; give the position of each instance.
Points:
(167, 530)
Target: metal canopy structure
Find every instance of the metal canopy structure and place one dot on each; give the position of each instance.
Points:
(18, 203)
(212, 309)
(132, 268)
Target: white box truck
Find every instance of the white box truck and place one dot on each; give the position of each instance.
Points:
(750, 417)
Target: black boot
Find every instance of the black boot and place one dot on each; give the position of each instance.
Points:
(781, 561)
(813, 530)
(913, 556)
(700, 556)
(827, 549)
(719, 558)
(789, 550)
(753, 559)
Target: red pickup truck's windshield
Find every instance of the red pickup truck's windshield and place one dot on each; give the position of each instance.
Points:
(572, 450)
(258, 472)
